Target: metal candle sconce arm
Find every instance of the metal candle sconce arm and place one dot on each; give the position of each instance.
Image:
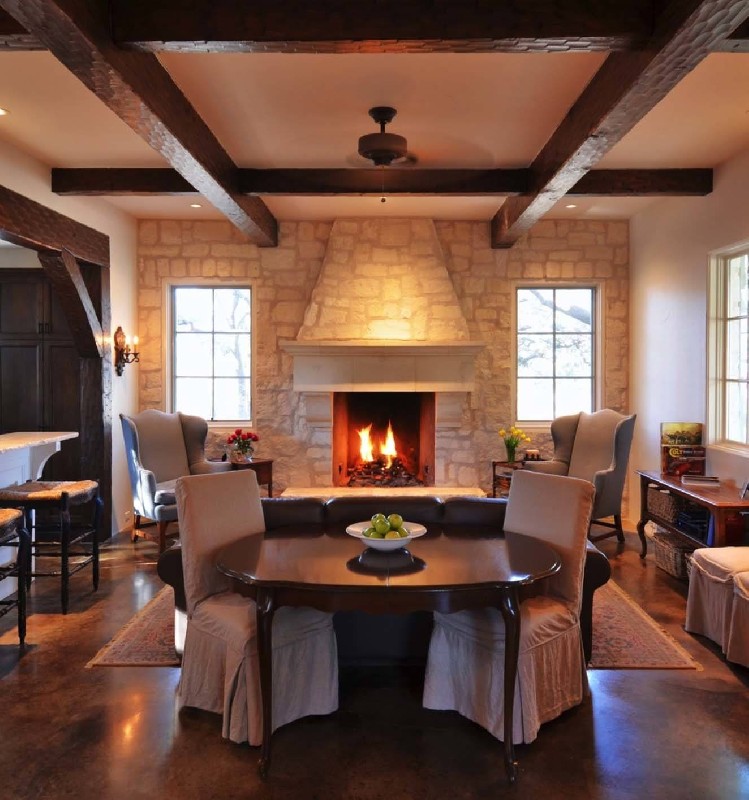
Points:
(123, 352)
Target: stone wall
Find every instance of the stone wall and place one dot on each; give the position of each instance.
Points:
(283, 279)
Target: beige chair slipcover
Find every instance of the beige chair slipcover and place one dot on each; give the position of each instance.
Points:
(219, 664)
(737, 649)
(465, 666)
(711, 591)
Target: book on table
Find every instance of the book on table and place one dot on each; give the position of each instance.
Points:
(700, 480)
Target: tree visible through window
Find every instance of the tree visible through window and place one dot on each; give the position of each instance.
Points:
(555, 351)
(212, 351)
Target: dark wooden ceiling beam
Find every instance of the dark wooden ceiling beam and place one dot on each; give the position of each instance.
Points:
(338, 182)
(65, 276)
(737, 42)
(15, 37)
(141, 92)
(621, 93)
(342, 26)
(30, 224)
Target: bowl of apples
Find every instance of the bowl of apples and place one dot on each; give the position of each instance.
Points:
(385, 531)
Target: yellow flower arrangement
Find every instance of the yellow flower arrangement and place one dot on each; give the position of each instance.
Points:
(512, 438)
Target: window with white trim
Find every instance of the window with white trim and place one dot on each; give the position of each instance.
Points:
(729, 348)
(211, 351)
(556, 346)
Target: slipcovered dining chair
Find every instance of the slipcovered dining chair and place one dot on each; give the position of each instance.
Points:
(220, 662)
(465, 665)
(594, 447)
(160, 448)
(737, 649)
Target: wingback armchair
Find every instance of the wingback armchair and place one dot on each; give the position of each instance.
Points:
(160, 448)
(594, 447)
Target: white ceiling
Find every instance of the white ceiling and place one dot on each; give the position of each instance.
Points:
(456, 110)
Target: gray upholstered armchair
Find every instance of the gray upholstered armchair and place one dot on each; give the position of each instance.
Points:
(160, 448)
(594, 447)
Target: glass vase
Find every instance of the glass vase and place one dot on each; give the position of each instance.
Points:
(241, 456)
(510, 454)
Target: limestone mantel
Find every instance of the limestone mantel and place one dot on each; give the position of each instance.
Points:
(383, 365)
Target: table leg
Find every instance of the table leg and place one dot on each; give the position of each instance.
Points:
(510, 609)
(643, 516)
(265, 608)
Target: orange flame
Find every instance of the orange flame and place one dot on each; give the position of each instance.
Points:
(365, 446)
(387, 448)
(387, 445)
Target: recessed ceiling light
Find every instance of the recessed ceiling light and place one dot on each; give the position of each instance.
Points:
(3, 112)
(570, 205)
(195, 205)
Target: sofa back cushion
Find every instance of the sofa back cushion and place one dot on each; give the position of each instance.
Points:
(345, 510)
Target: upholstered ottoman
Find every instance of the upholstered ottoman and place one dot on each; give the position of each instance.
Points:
(737, 649)
(711, 590)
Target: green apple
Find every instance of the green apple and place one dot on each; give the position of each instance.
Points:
(378, 518)
(382, 526)
(369, 532)
(402, 532)
(392, 535)
(395, 520)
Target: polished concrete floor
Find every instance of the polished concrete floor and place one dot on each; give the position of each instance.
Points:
(111, 733)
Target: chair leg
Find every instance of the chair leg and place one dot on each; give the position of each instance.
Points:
(24, 559)
(28, 521)
(64, 562)
(98, 506)
(136, 526)
(619, 529)
(162, 536)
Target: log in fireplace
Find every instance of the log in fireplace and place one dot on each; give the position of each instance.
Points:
(383, 438)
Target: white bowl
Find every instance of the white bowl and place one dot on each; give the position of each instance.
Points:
(357, 531)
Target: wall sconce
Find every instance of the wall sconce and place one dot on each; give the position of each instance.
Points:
(123, 352)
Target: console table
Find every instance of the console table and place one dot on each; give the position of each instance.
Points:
(502, 476)
(720, 501)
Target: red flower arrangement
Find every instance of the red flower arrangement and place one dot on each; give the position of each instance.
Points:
(243, 441)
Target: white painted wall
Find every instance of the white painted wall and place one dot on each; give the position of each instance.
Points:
(669, 250)
(28, 177)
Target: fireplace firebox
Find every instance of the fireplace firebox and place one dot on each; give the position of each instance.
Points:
(383, 439)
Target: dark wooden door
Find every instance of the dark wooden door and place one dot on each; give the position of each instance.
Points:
(39, 366)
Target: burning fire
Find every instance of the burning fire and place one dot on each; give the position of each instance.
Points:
(387, 446)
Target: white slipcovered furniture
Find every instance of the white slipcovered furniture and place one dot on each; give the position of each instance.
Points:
(160, 448)
(219, 663)
(737, 649)
(594, 447)
(713, 594)
(465, 666)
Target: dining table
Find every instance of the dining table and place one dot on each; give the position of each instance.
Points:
(449, 569)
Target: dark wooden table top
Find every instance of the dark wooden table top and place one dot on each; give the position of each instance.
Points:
(444, 558)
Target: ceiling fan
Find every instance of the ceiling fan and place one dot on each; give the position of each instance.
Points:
(384, 149)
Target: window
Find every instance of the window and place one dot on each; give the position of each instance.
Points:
(556, 351)
(211, 357)
(729, 344)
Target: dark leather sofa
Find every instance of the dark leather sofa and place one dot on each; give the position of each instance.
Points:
(383, 638)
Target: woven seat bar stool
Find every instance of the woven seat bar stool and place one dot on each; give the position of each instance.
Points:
(58, 497)
(14, 534)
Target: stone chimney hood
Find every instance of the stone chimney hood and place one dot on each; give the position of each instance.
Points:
(384, 315)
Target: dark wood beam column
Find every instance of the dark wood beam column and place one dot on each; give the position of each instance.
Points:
(65, 276)
(338, 182)
(625, 88)
(15, 37)
(141, 92)
(30, 224)
(342, 26)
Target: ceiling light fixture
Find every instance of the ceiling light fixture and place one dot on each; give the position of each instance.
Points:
(4, 112)
(195, 205)
(383, 148)
(571, 205)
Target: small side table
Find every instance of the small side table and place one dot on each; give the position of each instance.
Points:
(502, 476)
(263, 468)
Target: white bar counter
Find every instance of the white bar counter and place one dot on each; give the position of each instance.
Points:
(23, 455)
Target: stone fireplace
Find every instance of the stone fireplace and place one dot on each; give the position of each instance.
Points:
(384, 321)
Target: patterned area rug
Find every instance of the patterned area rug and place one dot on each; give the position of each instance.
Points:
(147, 640)
(626, 637)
